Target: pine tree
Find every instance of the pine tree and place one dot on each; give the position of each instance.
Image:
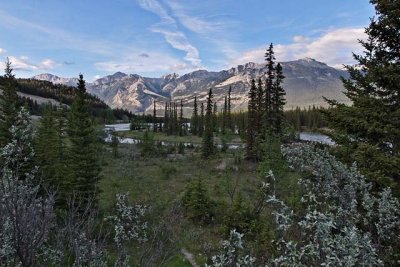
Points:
(269, 84)
(8, 105)
(278, 100)
(195, 118)
(83, 150)
(259, 112)
(215, 118)
(166, 118)
(201, 120)
(229, 114)
(154, 117)
(224, 116)
(50, 153)
(181, 122)
(176, 123)
(208, 138)
(251, 133)
(369, 130)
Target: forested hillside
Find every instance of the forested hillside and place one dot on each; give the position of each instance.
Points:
(64, 95)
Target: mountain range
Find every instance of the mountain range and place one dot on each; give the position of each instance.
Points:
(306, 82)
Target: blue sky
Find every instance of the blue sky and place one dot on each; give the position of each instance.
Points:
(156, 37)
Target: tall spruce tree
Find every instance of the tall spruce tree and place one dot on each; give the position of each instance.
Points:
(8, 104)
(208, 137)
(251, 133)
(215, 118)
(259, 112)
(269, 84)
(194, 127)
(83, 150)
(201, 120)
(229, 111)
(278, 101)
(154, 116)
(181, 122)
(224, 115)
(50, 153)
(166, 118)
(368, 131)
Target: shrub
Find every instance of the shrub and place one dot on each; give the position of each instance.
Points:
(197, 202)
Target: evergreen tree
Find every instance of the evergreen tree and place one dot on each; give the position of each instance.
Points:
(83, 151)
(208, 138)
(175, 130)
(166, 118)
(259, 112)
(181, 122)
(50, 152)
(369, 130)
(269, 84)
(201, 120)
(251, 133)
(195, 118)
(278, 100)
(8, 105)
(215, 118)
(229, 115)
(224, 115)
(154, 117)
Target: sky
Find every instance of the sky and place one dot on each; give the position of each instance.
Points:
(157, 37)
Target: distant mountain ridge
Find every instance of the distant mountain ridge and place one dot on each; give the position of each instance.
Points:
(306, 82)
(56, 80)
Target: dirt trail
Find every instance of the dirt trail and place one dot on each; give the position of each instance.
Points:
(189, 257)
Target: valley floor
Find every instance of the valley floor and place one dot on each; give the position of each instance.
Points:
(160, 182)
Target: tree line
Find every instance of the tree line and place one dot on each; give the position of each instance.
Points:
(65, 145)
(265, 108)
(65, 95)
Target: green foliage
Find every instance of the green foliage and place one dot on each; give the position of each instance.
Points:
(8, 105)
(309, 119)
(197, 202)
(371, 126)
(201, 121)
(84, 163)
(114, 146)
(208, 137)
(147, 145)
(194, 127)
(51, 152)
(224, 143)
(181, 148)
(239, 216)
(167, 170)
(252, 130)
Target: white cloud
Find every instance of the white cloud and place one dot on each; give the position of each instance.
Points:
(48, 64)
(155, 7)
(2, 50)
(168, 28)
(334, 47)
(179, 41)
(195, 23)
(23, 63)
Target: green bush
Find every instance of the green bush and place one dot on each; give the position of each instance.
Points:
(197, 202)
(167, 171)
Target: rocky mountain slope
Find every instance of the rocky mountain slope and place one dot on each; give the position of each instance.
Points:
(307, 80)
(55, 79)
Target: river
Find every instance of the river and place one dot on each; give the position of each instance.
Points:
(123, 127)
